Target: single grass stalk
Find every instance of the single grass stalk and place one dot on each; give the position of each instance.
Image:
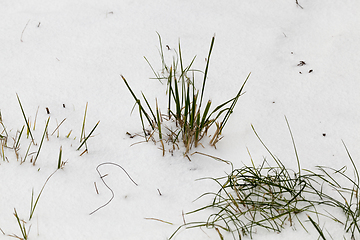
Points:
(27, 152)
(60, 125)
(317, 227)
(21, 226)
(3, 152)
(85, 139)
(68, 135)
(293, 141)
(35, 118)
(59, 160)
(141, 109)
(27, 124)
(34, 203)
(42, 140)
(156, 219)
(3, 137)
(206, 69)
(16, 146)
(82, 135)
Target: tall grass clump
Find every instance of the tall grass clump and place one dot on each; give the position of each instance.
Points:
(186, 108)
(252, 198)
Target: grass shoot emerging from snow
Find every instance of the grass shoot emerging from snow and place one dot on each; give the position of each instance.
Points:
(5, 150)
(186, 108)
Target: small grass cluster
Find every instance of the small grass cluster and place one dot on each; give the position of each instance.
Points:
(273, 197)
(186, 108)
(27, 131)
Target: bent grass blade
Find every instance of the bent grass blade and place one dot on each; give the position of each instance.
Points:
(85, 139)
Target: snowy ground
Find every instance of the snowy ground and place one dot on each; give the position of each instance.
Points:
(73, 52)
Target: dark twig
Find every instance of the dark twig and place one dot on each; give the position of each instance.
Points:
(297, 3)
(102, 179)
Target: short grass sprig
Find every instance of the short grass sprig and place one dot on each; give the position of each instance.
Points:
(60, 163)
(3, 134)
(42, 140)
(22, 227)
(82, 135)
(17, 144)
(317, 227)
(87, 137)
(27, 152)
(26, 121)
(34, 202)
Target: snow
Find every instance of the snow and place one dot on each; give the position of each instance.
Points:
(73, 52)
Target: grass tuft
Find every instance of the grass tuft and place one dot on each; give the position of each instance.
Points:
(186, 110)
(272, 197)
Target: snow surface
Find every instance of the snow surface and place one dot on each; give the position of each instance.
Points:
(73, 52)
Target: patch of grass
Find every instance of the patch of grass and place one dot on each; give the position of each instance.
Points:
(17, 140)
(271, 197)
(186, 109)
(347, 196)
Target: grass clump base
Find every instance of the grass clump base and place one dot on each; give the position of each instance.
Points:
(188, 115)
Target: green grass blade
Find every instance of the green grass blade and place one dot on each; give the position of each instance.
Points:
(34, 204)
(162, 54)
(204, 117)
(230, 110)
(22, 227)
(82, 135)
(293, 141)
(84, 141)
(206, 69)
(141, 109)
(42, 140)
(318, 229)
(157, 76)
(59, 160)
(151, 111)
(158, 120)
(27, 124)
(18, 140)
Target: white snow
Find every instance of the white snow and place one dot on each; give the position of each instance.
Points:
(73, 52)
